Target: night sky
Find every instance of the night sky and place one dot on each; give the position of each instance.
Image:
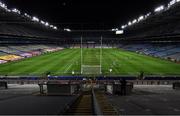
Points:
(86, 14)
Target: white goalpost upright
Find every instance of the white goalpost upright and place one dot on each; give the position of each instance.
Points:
(101, 56)
(81, 56)
(91, 63)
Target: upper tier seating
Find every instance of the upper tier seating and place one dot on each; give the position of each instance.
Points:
(157, 50)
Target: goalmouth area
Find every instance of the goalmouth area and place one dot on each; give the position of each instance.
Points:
(91, 57)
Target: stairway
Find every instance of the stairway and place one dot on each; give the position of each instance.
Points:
(82, 106)
(105, 106)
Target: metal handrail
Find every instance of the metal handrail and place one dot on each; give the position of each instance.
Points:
(95, 105)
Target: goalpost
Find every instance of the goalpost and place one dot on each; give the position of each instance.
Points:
(91, 57)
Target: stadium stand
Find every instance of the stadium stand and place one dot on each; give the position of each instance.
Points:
(17, 52)
(2, 61)
(155, 34)
(175, 56)
(157, 50)
(2, 53)
(8, 50)
(17, 24)
(155, 24)
(10, 57)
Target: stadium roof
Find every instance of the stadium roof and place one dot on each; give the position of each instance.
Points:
(86, 14)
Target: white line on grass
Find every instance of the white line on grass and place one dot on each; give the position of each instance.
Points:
(69, 66)
(67, 69)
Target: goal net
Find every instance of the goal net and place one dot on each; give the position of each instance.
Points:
(91, 55)
(91, 69)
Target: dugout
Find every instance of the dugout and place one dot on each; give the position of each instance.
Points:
(62, 89)
(116, 89)
(176, 85)
(3, 84)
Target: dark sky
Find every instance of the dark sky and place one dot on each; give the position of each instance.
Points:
(89, 14)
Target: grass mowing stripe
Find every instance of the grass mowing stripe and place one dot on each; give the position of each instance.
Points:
(128, 67)
(30, 64)
(51, 60)
(76, 57)
(147, 65)
(20, 63)
(133, 62)
(123, 66)
(46, 66)
(70, 63)
(59, 62)
(107, 62)
(154, 65)
(64, 62)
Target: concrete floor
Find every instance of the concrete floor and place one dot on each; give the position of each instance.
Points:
(148, 100)
(145, 100)
(20, 100)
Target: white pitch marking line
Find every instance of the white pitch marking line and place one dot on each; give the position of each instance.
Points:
(68, 68)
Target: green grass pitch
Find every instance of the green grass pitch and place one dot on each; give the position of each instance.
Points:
(64, 62)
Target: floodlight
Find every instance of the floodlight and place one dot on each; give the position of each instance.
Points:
(67, 30)
(114, 29)
(140, 18)
(42, 22)
(134, 21)
(16, 11)
(172, 2)
(3, 5)
(129, 23)
(55, 27)
(25, 14)
(123, 26)
(46, 24)
(119, 32)
(148, 14)
(158, 9)
(51, 26)
(35, 19)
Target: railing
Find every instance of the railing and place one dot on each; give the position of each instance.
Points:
(101, 105)
(95, 105)
(99, 78)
